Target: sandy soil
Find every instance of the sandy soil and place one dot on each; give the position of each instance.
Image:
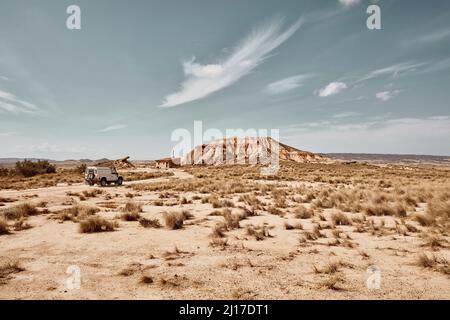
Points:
(183, 265)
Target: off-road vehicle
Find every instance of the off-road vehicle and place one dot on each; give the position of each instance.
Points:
(102, 176)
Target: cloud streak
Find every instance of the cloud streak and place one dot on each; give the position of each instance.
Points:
(112, 128)
(9, 103)
(287, 84)
(394, 70)
(201, 80)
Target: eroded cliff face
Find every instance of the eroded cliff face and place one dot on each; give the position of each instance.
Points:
(248, 150)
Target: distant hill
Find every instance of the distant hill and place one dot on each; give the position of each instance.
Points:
(391, 158)
(246, 148)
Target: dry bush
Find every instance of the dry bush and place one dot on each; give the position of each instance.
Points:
(259, 232)
(275, 211)
(150, 223)
(92, 193)
(219, 242)
(20, 211)
(333, 282)
(174, 220)
(425, 220)
(21, 224)
(158, 203)
(251, 200)
(385, 209)
(4, 228)
(146, 279)
(231, 220)
(219, 230)
(332, 267)
(130, 216)
(96, 224)
(132, 207)
(7, 269)
(76, 213)
(297, 226)
(301, 212)
(341, 219)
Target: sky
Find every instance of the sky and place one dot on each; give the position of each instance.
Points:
(138, 70)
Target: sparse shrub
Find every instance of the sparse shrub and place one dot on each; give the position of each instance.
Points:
(301, 212)
(20, 211)
(28, 168)
(150, 223)
(4, 228)
(289, 226)
(21, 224)
(96, 224)
(132, 207)
(341, 219)
(174, 220)
(231, 220)
(130, 216)
(76, 213)
(7, 269)
(158, 203)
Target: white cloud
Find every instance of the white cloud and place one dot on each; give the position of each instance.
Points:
(386, 95)
(393, 70)
(349, 3)
(346, 115)
(11, 104)
(113, 128)
(331, 89)
(287, 84)
(203, 80)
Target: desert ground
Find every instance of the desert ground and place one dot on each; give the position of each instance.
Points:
(205, 232)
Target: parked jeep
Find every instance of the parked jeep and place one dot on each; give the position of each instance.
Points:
(102, 176)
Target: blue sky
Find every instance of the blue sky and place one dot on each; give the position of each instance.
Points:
(137, 70)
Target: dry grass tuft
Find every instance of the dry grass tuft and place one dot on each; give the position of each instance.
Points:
(341, 219)
(174, 220)
(20, 211)
(96, 224)
(4, 228)
(150, 223)
(7, 269)
(301, 212)
(76, 213)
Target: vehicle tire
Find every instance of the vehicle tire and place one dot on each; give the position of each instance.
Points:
(103, 182)
(119, 181)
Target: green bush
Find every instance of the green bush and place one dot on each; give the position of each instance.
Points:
(28, 168)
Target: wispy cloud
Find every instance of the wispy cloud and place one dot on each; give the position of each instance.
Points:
(435, 36)
(7, 134)
(113, 128)
(287, 84)
(331, 89)
(346, 115)
(386, 95)
(349, 3)
(201, 80)
(393, 71)
(11, 104)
